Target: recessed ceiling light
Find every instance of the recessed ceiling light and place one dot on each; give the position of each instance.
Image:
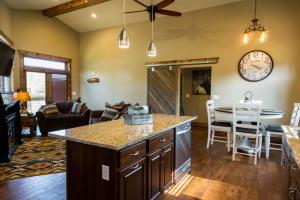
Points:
(94, 15)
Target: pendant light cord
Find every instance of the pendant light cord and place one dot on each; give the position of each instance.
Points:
(152, 27)
(124, 14)
(255, 9)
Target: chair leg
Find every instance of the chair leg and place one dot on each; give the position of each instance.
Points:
(213, 136)
(267, 144)
(228, 141)
(259, 146)
(233, 147)
(256, 152)
(208, 136)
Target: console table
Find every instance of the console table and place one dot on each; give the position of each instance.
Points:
(30, 122)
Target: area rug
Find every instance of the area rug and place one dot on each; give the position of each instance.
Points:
(36, 156)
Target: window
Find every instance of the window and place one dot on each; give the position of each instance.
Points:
(4, 84)
(36, 87)
(42, 63)
(45, 77)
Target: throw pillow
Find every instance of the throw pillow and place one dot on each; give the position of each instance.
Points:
(50, 110)
(109, 114)
(77, 107)
(113, 107)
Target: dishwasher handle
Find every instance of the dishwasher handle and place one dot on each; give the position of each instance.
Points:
(184, 131)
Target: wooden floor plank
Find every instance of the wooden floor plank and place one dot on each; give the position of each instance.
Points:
(214, 176)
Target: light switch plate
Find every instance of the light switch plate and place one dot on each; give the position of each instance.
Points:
(105, 172)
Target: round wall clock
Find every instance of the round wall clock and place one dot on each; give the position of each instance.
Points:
(255, 66)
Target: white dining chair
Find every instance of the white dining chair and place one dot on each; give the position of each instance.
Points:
(214, 125)
(276, 131)
(249, 114)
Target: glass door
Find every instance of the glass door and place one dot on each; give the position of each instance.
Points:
(36, 87)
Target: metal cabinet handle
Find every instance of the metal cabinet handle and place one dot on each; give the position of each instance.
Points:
(294, 167)
(163, 140)
(135, 167)
(135, 154)
(292, 190)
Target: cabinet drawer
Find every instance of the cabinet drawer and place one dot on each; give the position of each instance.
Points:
(132, 154)
(160, 141)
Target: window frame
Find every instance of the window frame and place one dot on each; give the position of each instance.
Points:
(24, 69)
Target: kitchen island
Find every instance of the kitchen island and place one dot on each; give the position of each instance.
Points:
(113, 160)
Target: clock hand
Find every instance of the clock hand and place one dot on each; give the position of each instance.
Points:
(257, 67)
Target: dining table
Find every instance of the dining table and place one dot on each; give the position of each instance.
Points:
(266, 114)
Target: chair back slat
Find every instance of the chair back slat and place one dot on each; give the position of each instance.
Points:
(247, 116)
(210, 107)
(295, 115)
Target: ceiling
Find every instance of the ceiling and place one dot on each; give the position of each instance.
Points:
(110, 13)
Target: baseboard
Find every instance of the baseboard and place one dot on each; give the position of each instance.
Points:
(200, 124)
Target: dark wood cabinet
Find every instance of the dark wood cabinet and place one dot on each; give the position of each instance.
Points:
(160, 170)
(290, 173)
(285, 174)
(132, 181)
(167, 166)
(154, 174)
(140, 171)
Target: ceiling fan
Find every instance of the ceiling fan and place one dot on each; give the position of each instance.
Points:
(158, 8)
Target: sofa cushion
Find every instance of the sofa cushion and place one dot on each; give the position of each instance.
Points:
(64, 119)
(50, 110)
(65, 106)
(77, 107)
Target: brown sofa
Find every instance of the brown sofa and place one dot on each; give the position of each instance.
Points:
(64, 120)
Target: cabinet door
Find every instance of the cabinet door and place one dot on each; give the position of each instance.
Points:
(154, 174)
(132, 184)
(167, 166)
(285, 174)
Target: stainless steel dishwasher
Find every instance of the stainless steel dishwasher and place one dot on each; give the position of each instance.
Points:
(182, 151)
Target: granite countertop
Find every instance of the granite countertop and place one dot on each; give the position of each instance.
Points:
(293, 138)
(117, 135)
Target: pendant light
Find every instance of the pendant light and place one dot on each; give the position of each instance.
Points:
(255, 28)
(152, 52)
(124, 40)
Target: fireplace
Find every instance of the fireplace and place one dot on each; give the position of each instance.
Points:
(10, 130)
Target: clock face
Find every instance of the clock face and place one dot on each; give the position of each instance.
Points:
(255, 66)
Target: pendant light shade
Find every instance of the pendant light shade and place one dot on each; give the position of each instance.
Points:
(124, 40)
(152, 52)
(255, 29)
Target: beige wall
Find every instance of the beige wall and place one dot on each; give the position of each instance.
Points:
(206, 33)
(193, 104)
(33, 32)
(5, 19)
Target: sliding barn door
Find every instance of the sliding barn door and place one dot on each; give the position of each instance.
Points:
(163, 90)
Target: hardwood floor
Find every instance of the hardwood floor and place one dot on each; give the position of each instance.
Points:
(213, 176)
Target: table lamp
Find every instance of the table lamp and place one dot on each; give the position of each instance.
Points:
(23, 97)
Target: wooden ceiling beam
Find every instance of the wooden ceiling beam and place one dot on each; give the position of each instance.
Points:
(70, 6)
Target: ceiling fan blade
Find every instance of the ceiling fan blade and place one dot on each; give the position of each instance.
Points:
(135, 11)
(164, 3)
(141, 3)
(169, 12)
